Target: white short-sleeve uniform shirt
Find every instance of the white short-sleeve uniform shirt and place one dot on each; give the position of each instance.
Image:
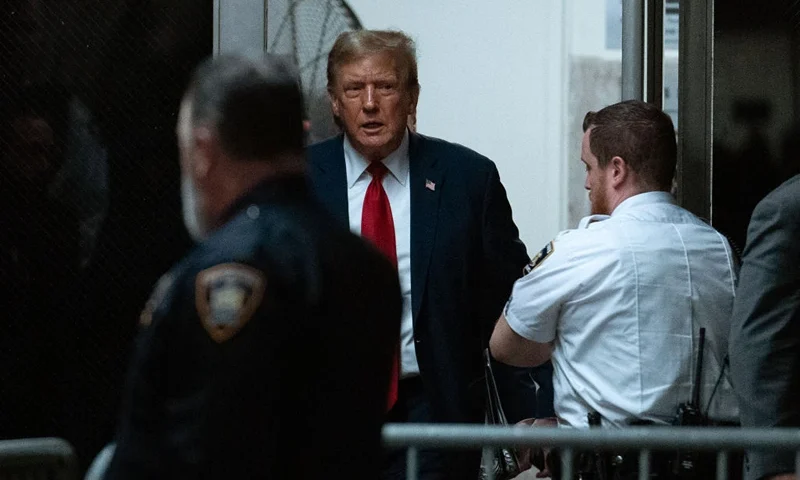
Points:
(622, 299)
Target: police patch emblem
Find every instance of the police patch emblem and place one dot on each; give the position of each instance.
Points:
(539, 258)
(159, 292)
(227, 296)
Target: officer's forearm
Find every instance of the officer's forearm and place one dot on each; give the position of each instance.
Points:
(508, 347)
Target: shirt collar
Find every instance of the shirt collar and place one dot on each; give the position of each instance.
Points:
(396, 162)
(643, 199)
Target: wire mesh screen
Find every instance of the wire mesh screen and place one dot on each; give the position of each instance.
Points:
(89, 198)
(305, 31)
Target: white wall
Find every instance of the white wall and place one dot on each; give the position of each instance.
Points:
(587, 28)
(493, 78)
(595, 80)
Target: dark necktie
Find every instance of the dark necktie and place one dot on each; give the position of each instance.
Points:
(377, 225)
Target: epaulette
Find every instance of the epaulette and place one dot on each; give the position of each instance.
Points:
(586, 221)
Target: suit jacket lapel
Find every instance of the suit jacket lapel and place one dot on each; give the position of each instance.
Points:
(427, 181)
(331, 179)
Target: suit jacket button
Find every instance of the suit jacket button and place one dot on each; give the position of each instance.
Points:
(417, 341)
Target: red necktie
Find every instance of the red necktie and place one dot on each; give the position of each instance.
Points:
(377, 225)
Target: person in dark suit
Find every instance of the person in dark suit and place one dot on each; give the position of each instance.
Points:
(765, 333)
(455, 244)
(253, 360)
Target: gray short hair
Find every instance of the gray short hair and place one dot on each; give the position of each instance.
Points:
(255, 105)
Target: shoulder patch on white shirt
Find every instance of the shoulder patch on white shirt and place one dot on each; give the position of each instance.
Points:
(586, 221)
(539, 258)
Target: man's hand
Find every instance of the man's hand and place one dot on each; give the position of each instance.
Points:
(526, 454)
(549, 422)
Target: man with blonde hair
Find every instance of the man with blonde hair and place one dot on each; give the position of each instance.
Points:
(438, 211)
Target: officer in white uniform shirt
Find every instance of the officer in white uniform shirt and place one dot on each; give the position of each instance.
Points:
(619, 301)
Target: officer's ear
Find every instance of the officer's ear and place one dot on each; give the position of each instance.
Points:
(618, 170)
(207, 152)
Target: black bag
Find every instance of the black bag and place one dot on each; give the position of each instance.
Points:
(505, 462)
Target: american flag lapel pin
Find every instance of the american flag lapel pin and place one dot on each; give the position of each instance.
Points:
(430, 185)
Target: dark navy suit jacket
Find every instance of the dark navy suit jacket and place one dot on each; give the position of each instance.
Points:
(465, 256)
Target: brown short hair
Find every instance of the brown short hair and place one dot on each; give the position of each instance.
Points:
(356, 44)
(641, 134)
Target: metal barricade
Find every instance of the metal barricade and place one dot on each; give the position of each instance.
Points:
(570, 441)
(37, 458)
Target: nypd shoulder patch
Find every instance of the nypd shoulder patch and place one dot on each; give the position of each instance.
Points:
(227, 296)
(540, 257)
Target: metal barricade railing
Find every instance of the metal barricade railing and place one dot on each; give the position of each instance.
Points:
(570, 441)
(34, 458)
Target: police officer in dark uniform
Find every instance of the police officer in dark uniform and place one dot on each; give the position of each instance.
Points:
(266, 352)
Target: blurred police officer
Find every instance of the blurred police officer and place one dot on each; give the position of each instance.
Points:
(619, 301)
(251, 362)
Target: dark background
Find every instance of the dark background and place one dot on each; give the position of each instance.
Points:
(83, 244)
(756, 106)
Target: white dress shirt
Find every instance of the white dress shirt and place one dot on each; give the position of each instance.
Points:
(622, 298)
(397, 189)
